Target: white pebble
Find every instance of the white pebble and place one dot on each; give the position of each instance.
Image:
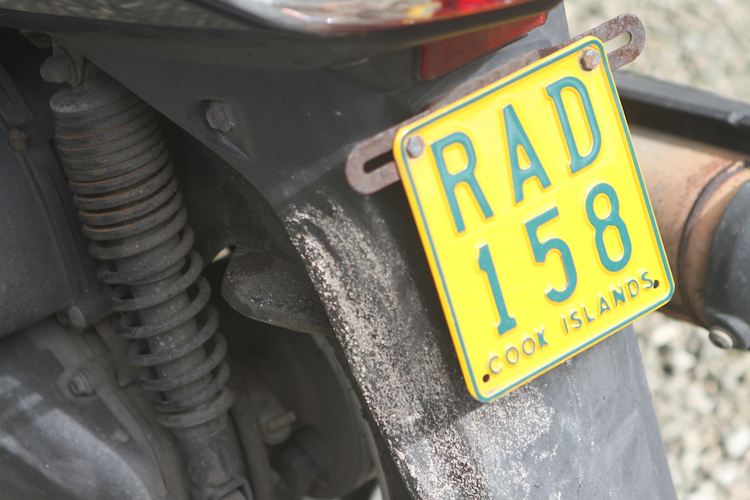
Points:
(682, 360)
(725, 472)
(738, 442)
(665, 334)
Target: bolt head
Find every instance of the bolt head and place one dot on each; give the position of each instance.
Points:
(77, 318)
(219, 116)
(275, 424)
(414, 146)
(280, 422)
(590, 59)
(721, 338)
(82, 384)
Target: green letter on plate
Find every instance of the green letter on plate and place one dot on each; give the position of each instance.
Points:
(517, 137)
(465, 175)
(542, 248)
(507, 322)
(577, 162)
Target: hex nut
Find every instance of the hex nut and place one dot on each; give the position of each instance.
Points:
(414, 146)
(590, 59)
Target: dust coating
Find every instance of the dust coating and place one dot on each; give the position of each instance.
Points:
(433, 433)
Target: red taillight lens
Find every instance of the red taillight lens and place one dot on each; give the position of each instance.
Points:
(446, 55)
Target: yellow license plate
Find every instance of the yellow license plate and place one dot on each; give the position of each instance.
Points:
(535, 219)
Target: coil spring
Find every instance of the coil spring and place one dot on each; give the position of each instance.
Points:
(114, 154)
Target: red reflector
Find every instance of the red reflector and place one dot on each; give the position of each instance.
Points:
(446, 55)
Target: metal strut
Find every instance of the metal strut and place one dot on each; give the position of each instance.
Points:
(115, 157)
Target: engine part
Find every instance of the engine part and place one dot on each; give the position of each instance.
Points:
(690, 185)
(698, 144)
(277, 373)
(115, 157)
(727, 286)
(60, 444)
(40, 268)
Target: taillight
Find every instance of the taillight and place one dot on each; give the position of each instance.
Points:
(346, 16)
(445, 55)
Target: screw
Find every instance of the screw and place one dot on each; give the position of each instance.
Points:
(414, 146)
(82, 383)
(721, 338)
(56, 69)
(220, 117)
(589, 59)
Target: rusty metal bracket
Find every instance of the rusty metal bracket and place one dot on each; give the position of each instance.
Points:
(372, 181)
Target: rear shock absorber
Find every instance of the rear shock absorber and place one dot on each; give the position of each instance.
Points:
(115, 158)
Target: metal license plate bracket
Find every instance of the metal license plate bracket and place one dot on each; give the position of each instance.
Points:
(366, 181)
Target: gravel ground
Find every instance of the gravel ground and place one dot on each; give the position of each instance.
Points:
(701, 394)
